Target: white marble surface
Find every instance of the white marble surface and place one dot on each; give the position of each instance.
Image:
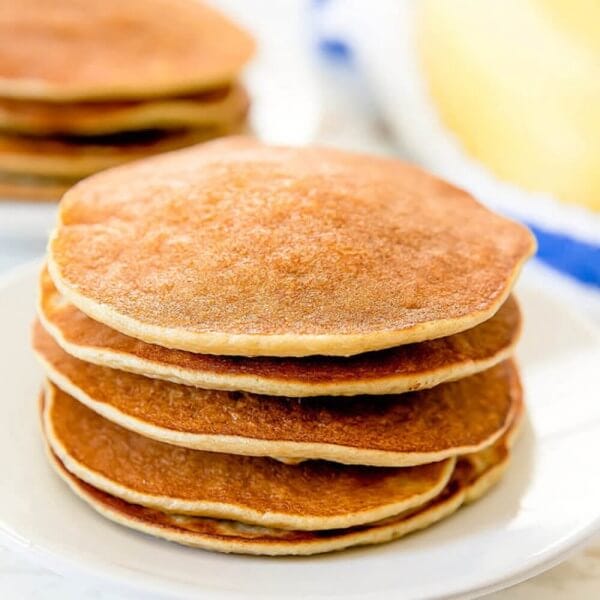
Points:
(348, 121)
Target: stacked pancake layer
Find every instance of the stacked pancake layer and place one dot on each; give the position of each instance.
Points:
(288, 351)
(84, 87)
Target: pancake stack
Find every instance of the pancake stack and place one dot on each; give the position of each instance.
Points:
(88, 85)
(271, 350)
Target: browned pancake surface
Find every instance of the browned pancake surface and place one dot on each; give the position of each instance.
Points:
(312, 489)
(411, 362)
(231, 536)
(317, 246)
(228, 529)
(451, 416)
(116, 48)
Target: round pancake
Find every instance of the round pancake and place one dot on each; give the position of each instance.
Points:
(474, 476)
(32, 188)
(79, 157)
(75, 49)
(95, 118)
(312, 495)
(239, 248)
(400, 369)
(391, 430)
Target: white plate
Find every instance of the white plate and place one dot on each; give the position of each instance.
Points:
(548, 503)
(286, 107)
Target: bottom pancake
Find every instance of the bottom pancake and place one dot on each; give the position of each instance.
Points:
(313, 495)
(470, 480)
(473, 476)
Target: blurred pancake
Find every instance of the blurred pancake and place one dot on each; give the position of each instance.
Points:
(400, 369)
(32, 188)
(73, 156)
(473, 476)
(216, 107)
(239, 248)
(390, 430)
(75, 49)
(312, 495)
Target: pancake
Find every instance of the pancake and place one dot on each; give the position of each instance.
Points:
(32, 188)
(312, 495)
(400, 369)
(75, 157)
(75, 49)
(473, 477)
(239, 248)
(391, 430)
(215, 107)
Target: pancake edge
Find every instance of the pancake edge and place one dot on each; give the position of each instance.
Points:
(272, 386)
(159, 113)
(87, 161)
(373, 534)
(231, 545)
(276, 344)
(376, 534)
(280, 449)
(229, 511)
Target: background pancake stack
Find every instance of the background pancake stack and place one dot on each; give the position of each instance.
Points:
(88, 85)
(276, 351)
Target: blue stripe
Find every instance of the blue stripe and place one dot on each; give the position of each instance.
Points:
(568, 255)
(336, 49)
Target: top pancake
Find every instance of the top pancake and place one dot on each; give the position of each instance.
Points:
(239, 248)
(74, 49)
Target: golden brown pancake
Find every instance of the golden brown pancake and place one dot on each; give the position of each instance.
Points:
(80, 156)
(75, 49)
(235, 537)
(473, 476)
(391, 430)
(400, 369)
(32, 188)
(239, 248)
(211, 108)
(312, 495)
